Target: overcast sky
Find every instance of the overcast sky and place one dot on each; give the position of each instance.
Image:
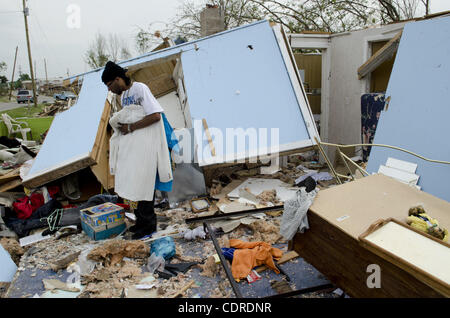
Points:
(56, 36)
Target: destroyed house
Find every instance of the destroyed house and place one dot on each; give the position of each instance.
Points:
(244, 80)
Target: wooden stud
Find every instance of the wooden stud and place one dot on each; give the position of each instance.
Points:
(380, 56)
(211, 145)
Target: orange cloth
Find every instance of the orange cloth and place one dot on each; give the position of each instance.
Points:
(250, 254)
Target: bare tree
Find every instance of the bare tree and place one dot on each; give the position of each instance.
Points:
(337, 15)
(143, 41)
(186, 23)
(117, 48)
(294, 15)
(97, 55)
(426, 3)
(103, 49)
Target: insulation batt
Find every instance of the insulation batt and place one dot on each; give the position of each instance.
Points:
(137, 156)
(195, 233)
(294, 216)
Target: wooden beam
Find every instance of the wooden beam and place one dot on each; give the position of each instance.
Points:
(208, 134)
(386, 52)
(101, 131)
(11, 185)
(134, 68)
(59, 172)
(10, 176)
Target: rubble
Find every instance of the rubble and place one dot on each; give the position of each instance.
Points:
(210, 268)
(268, 196)
(117, 268)
(113, 252)
(13, 248)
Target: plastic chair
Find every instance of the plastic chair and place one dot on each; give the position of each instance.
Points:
(14, 127)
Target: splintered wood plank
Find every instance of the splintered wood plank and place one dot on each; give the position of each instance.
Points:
(11, 185)
(101, 169)
(10, 176)
(380, 56)
(208, 135)
(101, 131)
(59, 172)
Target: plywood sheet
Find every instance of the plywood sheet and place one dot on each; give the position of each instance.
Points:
(418, 112)
(354, 206)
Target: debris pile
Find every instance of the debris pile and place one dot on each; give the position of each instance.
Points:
(113, 252)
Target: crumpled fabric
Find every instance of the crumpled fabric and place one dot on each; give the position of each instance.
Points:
(248, 255)
(137, 157)
(25, 206)
(71, 216)
(295, 213)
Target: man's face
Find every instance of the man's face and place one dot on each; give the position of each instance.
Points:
(116, 86)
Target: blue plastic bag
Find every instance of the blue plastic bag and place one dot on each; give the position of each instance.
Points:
(164, 247)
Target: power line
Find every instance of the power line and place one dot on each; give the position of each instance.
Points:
(10, 12)
(46, 42)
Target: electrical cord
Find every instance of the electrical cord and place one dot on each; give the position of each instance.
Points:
(387, 146)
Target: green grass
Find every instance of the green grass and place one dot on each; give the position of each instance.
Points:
(27, 114)
(25, 111)
(5, 99)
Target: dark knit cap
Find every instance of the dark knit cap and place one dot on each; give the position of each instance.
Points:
(111, 71)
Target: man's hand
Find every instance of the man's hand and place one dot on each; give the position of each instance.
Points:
(125, 128)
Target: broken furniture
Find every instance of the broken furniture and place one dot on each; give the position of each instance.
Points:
(427, 258)
(15, 127)
(337, 218)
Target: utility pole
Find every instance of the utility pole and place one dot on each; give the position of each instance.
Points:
(46, 77)
(12, 78)
(25, 14)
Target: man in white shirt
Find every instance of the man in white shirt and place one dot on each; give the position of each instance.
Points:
(135, 93)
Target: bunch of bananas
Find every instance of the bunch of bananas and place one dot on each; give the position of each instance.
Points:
(418, 219)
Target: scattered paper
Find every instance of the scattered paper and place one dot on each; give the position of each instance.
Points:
(145, 286)
(33, 239)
